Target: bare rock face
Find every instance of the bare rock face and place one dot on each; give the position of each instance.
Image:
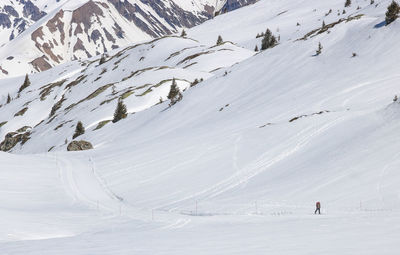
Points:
(173, 15)
(79, 146)
(5, 21)
(41, 64)
(232, 5)
(22, 135)
(32, 11)
(10, 10)
(18, 15)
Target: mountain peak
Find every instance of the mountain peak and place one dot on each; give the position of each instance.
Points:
(81, 29)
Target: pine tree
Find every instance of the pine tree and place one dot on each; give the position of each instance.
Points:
(120, 112)
(256, 48)
(8, 98)
(347, 3)
(183, 34)
(319, 51)
(323, 24)
(269, 40)
(392, 12)
(26, 84)
(102, 59)
(174, 94)
(79, 130)
(219, 40)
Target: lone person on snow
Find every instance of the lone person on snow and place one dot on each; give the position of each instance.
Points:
(318, 208)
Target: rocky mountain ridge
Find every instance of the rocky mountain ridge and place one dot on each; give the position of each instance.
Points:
(74, 29)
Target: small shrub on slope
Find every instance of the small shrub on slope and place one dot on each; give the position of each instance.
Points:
(183, 34)
(79, 130)
(392, 12)
(220, 40)
(120, 112)
(174, 94)
(319, 50)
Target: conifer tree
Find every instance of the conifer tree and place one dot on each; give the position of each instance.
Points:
(102, 59)
(347, 3)
(219, 40)
(392, 12)
(26, 84)
(319, 51)
(8, 98)
(79, 130)
(256, 48)
(174, 94)
(183, 34)
(120, 112)
(269, 40)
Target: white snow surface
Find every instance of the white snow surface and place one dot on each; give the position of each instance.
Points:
(236, 166)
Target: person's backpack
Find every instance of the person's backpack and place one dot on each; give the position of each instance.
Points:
(318, 205)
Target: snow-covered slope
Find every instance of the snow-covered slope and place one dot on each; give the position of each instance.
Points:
(75, 29)
(236, 166)
(87, 91)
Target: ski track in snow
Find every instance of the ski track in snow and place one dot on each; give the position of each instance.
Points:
(260, 165)
(83, 185)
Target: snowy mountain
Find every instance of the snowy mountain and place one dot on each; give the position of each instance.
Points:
(15, 17)
(235, 166)
(75, 29)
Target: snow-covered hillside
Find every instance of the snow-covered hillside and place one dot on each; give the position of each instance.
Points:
(75, 29)
(237, 165)
(87, 91)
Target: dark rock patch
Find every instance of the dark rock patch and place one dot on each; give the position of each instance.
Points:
(79, 146)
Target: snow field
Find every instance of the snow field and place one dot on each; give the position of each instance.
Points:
(235, 167)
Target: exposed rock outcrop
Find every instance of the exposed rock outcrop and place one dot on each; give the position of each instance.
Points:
(5, 21)
(22, 135)
(232, 5)
(40, 64)
(79, 146)
(32, 11)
